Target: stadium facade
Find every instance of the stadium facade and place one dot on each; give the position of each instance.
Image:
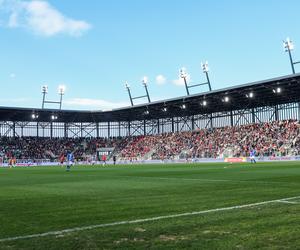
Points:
(263, 101)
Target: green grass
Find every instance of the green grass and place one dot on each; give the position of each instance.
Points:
(43, 199)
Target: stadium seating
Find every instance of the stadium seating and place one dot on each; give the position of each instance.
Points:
(269, 139)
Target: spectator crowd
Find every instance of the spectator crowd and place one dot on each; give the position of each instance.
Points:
(268, 139)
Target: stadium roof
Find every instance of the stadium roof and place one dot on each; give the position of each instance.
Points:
(271, 92)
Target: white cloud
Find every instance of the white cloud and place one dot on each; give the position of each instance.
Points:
(13, 101)
(94, 103)
(160, 79)
(41, 18)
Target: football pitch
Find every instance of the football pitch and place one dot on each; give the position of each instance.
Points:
(167, 206)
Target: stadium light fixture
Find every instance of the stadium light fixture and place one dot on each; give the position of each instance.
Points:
(61, 92)
(44, 89)
(127, 86)
(288, 47)
(277, 90)
(183, 74)
(44, 92)
(145, 80)
(183, 106)
(61, 89)
(34, 116)
(250, 95)
(204, 103)
(54, 117)
(288, 44)
(165, 109)
(145, 84)
(226, 99)
(147, 112)
(205, 67)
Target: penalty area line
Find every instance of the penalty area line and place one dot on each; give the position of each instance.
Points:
(128, 222)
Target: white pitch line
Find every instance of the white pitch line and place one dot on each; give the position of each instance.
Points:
(289, 202)
(76, 229)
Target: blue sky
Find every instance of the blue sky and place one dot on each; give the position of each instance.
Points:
(94, 46)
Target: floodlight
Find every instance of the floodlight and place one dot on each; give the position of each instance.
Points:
(165, 109)
(145, 80)
(44, 89)
(205, 67)
(183, 106)
(34, 116)
(288, 44)
(226, 99)
(250, 95)
(204, 103)
(147, 112)
(277, 90)
(61, 89)
(183, 73)
(53, 117)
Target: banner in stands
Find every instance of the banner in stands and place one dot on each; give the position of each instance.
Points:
(195, 160)
(235, 159)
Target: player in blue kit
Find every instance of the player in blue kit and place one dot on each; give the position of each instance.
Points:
(252, 155)
(70, 160)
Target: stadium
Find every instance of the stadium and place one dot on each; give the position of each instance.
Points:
(217, 169)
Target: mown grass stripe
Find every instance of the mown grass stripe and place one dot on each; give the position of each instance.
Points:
(76, 229)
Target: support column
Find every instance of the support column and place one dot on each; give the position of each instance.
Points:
(81, 130)
(276, 113)
(253, 115)
(14, 129)
(37, 129)
(193, 123)
(51, 130)
(173, 130)
(108, 130)
(231, 118)
(65, 130)
(97, 129)
(129, 132)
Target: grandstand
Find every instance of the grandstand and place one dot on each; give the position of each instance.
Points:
(131, 132)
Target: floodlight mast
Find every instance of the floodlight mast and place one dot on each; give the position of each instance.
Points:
(61, 92)
(183, 75)
(288, 47)
(44, 92)
(205, 69)
(145, 84)
(129, 93)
